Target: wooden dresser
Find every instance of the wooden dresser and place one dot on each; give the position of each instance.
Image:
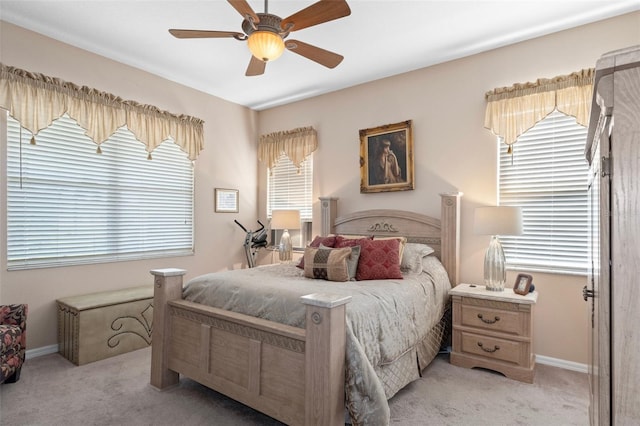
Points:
(493, 330)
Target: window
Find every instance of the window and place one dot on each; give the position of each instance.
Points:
(291, 189)
(68, 205)
(547, 177)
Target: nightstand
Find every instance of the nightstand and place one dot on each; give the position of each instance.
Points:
(493, 330)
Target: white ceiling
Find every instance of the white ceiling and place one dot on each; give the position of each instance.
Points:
(380, 38)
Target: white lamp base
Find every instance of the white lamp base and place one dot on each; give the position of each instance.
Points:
(285, 250)
(495, 274)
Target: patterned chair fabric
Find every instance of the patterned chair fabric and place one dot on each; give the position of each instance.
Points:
(13, 341)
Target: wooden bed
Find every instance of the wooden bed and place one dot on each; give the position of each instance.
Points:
(292, 374)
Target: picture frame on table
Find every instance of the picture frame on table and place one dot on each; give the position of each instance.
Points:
(225, 200)
(386, 158)
(522, 284)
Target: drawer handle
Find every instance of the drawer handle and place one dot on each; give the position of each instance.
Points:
(488, 321)
(495, 348)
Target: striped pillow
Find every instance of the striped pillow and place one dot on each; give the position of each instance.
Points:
(327, 263)
(329, 241)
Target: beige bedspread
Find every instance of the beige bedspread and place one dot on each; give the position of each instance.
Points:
(385, 318)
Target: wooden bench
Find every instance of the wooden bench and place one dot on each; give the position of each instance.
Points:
(101, 325)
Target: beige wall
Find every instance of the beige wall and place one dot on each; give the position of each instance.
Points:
(452, 150)
(218, 241)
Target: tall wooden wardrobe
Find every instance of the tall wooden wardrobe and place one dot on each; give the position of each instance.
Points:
(613, 288)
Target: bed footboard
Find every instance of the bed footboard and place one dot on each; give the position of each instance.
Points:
(294, 375)
(325, 347)
(167, 286)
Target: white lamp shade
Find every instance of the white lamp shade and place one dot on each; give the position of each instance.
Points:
(498, 220)
(265, 45)
(285, 219)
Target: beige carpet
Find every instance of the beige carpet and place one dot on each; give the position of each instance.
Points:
(115, 391)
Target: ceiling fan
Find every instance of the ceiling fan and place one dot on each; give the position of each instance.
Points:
(266, 33)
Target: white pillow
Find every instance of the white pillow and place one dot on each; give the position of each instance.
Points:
(411, 261)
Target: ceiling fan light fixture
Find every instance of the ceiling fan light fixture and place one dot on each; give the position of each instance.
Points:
(265, 45)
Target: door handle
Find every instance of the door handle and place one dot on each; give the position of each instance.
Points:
(586, 293)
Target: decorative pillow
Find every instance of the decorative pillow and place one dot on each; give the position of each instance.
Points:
(352, 261)
(329, 241)
(326, 263)
(343, 241)
(411, 261)
(402, 240)
(379, 260)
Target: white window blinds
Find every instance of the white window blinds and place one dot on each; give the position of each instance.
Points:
(290, 189)
(67, 204)
(547, 177)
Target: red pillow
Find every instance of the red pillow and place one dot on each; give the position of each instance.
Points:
(325, 241)
(349, 242)
(379, 260)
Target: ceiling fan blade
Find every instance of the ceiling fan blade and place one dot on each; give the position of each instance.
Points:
(321, 56)
(317, 13)
(205, 34)
(256, 67)
(244, 9)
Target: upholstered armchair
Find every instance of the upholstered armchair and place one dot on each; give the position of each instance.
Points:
(13, 341)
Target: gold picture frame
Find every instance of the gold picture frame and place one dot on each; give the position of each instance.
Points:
(386, 158)
(226, 200)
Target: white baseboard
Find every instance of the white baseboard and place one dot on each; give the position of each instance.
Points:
(567, 365)
(44, 350)
(540, 359)
(554, 362)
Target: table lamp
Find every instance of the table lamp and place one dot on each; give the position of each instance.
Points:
(285, 219)
(494, 221)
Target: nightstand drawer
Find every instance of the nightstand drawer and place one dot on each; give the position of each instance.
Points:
(491, 347)
(493, 319)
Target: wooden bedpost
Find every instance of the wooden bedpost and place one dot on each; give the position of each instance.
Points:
(325, 358)
(167, 286)
(450, 237)
(329, 211)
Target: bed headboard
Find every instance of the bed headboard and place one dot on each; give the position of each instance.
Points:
(443, 234)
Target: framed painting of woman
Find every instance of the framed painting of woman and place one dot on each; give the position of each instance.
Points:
(386, 158)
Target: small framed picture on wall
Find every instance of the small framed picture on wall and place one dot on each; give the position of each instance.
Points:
(225, 200)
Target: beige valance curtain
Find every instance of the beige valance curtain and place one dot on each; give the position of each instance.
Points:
(296, 144)
(36, 100)
(511, 111)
